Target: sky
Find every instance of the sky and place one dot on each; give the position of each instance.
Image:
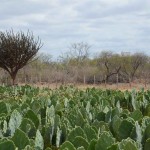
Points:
(116, 25)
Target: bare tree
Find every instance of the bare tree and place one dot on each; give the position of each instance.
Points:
(17, 50)
(79, 51)
(45, 58)
(79, 57)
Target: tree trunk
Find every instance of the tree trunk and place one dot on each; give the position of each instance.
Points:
(130, 82)
(145, 82)
(13, 77)
(105, 80)
(117, 80)
(84, 79)
(94, 79)
(13, 80)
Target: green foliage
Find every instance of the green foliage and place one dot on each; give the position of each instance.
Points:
(147, 144)
(92, 144)
(3, 108)
(114, 126)
(69, 119)
(67, 145)
(125, 129)
(114, 147)
(39, 143)
(147, 110)
(28, 127)
(48, 148)
(105, 141)
(136, 115)
(80, 141)
(81, 148)
(128, 144)
(90, 133)
(15, 121)
(33, 117)
(78, 131)
(7, 145)
(146, 133)
(28, 147)
(100, 116)
(20, 139)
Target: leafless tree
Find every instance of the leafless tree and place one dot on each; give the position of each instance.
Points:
(17, 50)
(79, 51)
(45, 58)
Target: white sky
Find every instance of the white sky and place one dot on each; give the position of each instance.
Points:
(117, 25)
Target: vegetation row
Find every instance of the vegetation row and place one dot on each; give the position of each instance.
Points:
(71, 119)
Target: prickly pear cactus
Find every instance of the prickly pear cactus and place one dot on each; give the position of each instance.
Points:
(105, 141)
(39, 143)
(147, 144)
(92, 144)
(20, 139)
(81, 148)
(7, 145)
(33, 117)
(78, 131)
(15, 121)
(125, 129)
(80, 141)
(50, 114)
(90, 133)
(3, 108)
(128, 144)
(28, 147)
(67, 145)
(58, 136)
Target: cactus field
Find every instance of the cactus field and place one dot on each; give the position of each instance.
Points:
(71, 119)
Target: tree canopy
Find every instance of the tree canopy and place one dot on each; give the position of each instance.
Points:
(17, 50)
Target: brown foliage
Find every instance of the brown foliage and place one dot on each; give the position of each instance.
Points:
(16, 50)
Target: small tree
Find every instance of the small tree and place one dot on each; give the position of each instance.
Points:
(17, 50)
(131, 64)
(109, 64)
(79, 53)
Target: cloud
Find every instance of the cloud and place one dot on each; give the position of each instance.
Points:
(104, 24)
